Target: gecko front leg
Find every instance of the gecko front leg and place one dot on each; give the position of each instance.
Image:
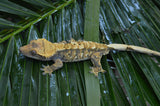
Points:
(96, 61)
(49, 69)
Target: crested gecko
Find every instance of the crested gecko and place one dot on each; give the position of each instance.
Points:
(73, 51)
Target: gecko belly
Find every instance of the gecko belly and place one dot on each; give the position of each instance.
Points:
(74, 55)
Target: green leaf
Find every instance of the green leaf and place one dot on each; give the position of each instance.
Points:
(5, 71)
(91, 28)
(10, 7)
(33, 20)
(7, 24)
(27, 87)
(41, 3)
(111, 91)
(126, 64)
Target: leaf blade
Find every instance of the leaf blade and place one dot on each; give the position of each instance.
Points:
(5, 71)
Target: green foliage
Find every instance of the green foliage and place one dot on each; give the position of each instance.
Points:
(131, 78)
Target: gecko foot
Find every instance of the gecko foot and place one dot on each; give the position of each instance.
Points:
(96, 70)
(47, 69)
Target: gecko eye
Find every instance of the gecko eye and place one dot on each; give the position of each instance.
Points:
(33, 52)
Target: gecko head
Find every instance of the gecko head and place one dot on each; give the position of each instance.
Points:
(39, 49)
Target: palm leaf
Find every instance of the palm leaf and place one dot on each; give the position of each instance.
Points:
(110, 21)
(91, 23)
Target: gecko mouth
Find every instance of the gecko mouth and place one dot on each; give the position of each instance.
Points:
(26, 51)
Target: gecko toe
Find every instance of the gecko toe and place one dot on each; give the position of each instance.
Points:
(42, 69)
(90, 72)
(103, 71)
(96, 70)
(50, 74)
(46, 70)
(43, 65)
(90, 67)
(44, 73)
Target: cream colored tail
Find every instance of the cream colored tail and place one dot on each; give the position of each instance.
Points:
(123, 47)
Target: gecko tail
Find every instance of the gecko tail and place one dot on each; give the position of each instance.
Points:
(123, 47)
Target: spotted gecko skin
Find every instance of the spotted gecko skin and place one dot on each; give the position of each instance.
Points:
(73, 51)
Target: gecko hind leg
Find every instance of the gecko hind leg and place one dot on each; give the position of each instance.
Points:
(96, 61)
(49, 69)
